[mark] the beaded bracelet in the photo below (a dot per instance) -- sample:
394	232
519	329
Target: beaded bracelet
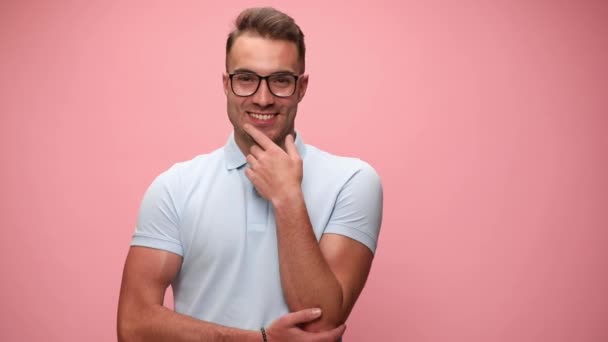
263	334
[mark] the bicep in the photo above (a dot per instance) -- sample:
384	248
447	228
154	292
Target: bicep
350	261
349	240
147	274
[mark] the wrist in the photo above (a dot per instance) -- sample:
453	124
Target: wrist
287	198
253	336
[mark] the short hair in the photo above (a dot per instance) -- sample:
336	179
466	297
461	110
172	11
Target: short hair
267	22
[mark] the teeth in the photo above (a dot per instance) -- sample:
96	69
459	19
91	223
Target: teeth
262	116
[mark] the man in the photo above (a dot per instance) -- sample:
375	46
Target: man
265	239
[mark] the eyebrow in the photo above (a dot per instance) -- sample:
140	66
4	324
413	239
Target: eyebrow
281	72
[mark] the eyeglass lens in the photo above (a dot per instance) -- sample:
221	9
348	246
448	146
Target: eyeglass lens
246	84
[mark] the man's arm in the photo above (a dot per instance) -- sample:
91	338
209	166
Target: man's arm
329	274
142	316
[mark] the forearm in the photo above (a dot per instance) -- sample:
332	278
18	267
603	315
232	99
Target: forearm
155	323
306	277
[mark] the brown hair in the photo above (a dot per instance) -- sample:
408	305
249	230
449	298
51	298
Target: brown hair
268	23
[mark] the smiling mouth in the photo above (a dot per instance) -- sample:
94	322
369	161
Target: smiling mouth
261	116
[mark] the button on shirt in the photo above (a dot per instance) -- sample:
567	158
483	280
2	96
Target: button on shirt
207	211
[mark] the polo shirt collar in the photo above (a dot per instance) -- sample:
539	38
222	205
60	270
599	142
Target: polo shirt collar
235	158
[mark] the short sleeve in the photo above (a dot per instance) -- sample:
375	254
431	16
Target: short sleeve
158	219
358	210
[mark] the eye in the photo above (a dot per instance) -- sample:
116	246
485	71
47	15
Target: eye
245	78
282	80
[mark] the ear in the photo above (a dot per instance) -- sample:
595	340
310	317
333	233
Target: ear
225	80
303	80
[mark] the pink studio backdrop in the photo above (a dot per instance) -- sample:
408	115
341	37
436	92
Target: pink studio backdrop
487	121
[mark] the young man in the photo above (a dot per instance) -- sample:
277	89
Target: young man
265	239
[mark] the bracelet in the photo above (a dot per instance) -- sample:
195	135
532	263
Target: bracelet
263	334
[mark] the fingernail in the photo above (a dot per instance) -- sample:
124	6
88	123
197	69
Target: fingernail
316	312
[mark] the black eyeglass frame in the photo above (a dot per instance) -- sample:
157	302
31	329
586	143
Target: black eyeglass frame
262	78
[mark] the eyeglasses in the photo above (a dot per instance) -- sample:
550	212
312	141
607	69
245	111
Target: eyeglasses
247	83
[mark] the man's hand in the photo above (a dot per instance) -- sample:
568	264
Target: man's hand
286	328
275	173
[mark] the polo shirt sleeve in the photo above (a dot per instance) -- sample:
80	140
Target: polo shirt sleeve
158	219
357	213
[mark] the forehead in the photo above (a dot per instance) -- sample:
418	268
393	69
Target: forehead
263	55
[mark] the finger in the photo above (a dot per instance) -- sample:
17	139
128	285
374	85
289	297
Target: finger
332	335
290	146
250	174
256	151
258	136
301	316
252	161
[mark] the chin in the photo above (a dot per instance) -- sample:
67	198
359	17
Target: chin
276	137
271	133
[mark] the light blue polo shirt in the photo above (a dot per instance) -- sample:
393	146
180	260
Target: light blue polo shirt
207	211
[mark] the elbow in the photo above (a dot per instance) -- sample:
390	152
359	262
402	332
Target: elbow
128	326
136	323
319	326
124	334
130	331
333	315
328	321
126	331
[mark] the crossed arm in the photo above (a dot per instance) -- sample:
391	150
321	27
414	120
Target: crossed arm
329	274
141	314
148	272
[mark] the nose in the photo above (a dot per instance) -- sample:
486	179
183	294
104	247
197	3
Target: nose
263	97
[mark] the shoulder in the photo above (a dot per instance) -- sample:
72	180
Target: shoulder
322	164
197	167
354	191
176	183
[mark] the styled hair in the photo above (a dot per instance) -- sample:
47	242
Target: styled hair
267	22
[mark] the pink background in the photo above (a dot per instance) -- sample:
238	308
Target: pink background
487	121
